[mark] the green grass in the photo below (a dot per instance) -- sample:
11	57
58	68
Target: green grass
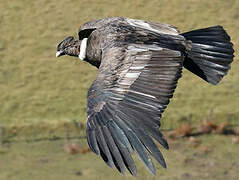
213	158
37	90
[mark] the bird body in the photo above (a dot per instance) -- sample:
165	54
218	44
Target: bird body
139	65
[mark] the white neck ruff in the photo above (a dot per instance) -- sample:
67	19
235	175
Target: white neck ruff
83	46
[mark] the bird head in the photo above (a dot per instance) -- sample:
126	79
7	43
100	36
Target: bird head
69	46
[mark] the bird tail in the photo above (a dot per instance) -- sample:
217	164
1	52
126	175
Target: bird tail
210	53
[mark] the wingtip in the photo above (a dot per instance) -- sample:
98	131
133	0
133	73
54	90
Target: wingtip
163	164
133	173
153	171
164	143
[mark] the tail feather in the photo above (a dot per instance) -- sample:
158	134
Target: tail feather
211	53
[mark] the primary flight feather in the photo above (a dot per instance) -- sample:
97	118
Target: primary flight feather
139	64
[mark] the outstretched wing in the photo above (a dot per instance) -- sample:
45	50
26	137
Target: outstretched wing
125	103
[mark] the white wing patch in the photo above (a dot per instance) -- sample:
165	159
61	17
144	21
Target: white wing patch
143	94
132	74
137	67
138	48
145	25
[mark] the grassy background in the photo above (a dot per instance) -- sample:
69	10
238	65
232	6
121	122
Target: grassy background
39	93
42	99
215	158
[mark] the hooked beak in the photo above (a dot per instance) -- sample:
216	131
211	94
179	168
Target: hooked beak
59	53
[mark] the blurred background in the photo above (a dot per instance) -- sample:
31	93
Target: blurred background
43	99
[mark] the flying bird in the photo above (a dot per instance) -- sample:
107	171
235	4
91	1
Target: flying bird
139	65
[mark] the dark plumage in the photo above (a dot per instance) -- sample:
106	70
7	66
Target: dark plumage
139	65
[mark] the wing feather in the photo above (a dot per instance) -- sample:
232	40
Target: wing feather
104	149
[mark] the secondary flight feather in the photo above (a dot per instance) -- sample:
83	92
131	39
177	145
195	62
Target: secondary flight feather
139	65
